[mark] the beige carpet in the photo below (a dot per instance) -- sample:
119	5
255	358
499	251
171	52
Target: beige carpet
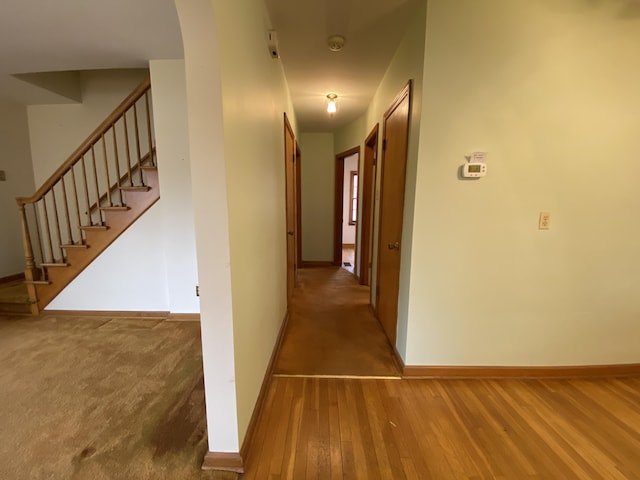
101	398
331	329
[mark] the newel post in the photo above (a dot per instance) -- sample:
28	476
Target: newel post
31	273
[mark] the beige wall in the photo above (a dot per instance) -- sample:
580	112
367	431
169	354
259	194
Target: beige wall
15	160
318	179
209	190
55	131
549	89
254	97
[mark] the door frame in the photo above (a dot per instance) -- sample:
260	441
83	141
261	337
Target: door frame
368	204
338	207
298	167
405	93
290	203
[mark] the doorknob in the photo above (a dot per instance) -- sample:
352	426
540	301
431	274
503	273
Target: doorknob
290	233
394	246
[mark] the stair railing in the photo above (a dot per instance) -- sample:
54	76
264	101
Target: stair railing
93	179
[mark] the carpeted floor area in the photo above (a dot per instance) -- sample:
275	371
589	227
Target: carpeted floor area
101	398
332	330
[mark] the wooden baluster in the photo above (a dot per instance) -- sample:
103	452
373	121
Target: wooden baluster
77	202
126	148
86	193
66	208
106	170
117	160
149	131
95	178
49	258
137	133
26	243
57	219
38	235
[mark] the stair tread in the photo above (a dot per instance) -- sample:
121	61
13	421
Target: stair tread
115	208
55	264
136	188
75	245
149	167
94	227
37	282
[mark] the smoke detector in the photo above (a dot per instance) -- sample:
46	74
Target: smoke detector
336	43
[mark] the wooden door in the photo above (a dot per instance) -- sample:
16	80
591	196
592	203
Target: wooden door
290	180
394	162
368	185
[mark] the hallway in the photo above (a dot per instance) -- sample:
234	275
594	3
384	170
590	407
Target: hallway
332	330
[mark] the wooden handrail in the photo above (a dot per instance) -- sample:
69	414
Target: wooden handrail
86	145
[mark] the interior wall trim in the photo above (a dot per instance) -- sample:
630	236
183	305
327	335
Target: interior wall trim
223	461
12	278
561	371
264	389
184	317
107	313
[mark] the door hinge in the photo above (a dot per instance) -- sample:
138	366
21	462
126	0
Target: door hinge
293	158
384	144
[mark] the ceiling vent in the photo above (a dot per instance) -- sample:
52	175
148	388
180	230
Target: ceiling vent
336	43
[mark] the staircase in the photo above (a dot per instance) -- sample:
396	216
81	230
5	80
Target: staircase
92	198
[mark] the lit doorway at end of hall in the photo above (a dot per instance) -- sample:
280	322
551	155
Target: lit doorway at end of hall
349	211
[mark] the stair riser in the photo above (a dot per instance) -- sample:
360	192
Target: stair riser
15	308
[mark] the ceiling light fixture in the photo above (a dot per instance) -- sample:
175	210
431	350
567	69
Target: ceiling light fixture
331	106
336	43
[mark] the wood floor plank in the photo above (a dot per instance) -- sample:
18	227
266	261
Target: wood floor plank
335	443
364	455
305	434
279	437
384	443
417	405
561	422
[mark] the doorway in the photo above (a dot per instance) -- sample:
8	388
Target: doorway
350	211
346	209
368	205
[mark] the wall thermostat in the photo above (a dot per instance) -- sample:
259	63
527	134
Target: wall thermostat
474	170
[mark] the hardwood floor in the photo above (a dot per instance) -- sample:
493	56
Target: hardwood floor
319	428
332	330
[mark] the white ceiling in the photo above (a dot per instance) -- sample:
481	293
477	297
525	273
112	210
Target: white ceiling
50	36
46	35
373	30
